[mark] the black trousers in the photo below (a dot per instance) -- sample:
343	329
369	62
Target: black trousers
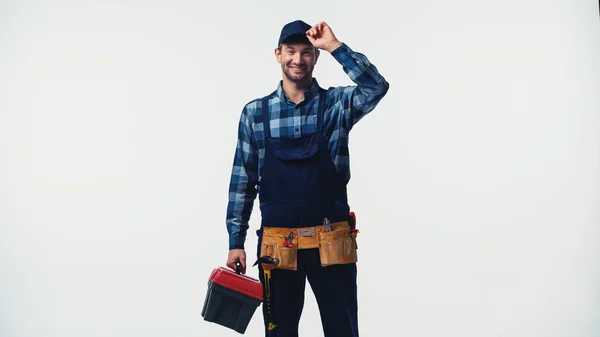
334	288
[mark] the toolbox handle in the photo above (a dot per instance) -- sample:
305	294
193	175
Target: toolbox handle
238	268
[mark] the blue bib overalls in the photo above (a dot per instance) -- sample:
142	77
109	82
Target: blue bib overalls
300	188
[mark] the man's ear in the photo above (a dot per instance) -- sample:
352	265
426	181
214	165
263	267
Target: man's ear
277	53
317	53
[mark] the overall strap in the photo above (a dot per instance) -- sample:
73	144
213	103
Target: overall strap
322	107
266	115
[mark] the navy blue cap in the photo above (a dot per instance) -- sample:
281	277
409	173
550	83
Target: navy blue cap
294	28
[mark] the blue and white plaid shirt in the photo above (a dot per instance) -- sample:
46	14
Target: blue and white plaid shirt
345	107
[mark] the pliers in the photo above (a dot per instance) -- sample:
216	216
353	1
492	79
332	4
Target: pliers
289	240
327	225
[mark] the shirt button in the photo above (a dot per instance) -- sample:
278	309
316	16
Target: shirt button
297	130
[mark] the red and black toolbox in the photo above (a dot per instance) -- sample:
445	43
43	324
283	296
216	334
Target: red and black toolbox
231	299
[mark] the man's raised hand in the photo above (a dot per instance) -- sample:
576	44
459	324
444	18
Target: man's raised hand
322	37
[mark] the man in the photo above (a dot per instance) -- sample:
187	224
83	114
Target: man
292	151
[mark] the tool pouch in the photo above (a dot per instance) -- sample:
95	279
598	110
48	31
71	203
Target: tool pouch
338	246
272	246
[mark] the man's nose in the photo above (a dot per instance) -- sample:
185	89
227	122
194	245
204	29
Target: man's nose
297	58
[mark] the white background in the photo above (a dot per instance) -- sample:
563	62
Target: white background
475	181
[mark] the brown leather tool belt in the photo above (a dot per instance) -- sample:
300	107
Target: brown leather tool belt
336	246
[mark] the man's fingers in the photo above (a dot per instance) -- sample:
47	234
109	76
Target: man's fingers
233	266
242	260
318	28
231	262
236	256
315	30
322	26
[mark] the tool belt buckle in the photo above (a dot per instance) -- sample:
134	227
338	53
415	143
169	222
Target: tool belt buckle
307	233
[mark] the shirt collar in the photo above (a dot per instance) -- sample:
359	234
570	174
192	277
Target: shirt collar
309	93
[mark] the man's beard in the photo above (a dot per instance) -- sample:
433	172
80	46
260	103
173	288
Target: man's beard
296	78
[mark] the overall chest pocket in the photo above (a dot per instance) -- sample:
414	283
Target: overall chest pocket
291	149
